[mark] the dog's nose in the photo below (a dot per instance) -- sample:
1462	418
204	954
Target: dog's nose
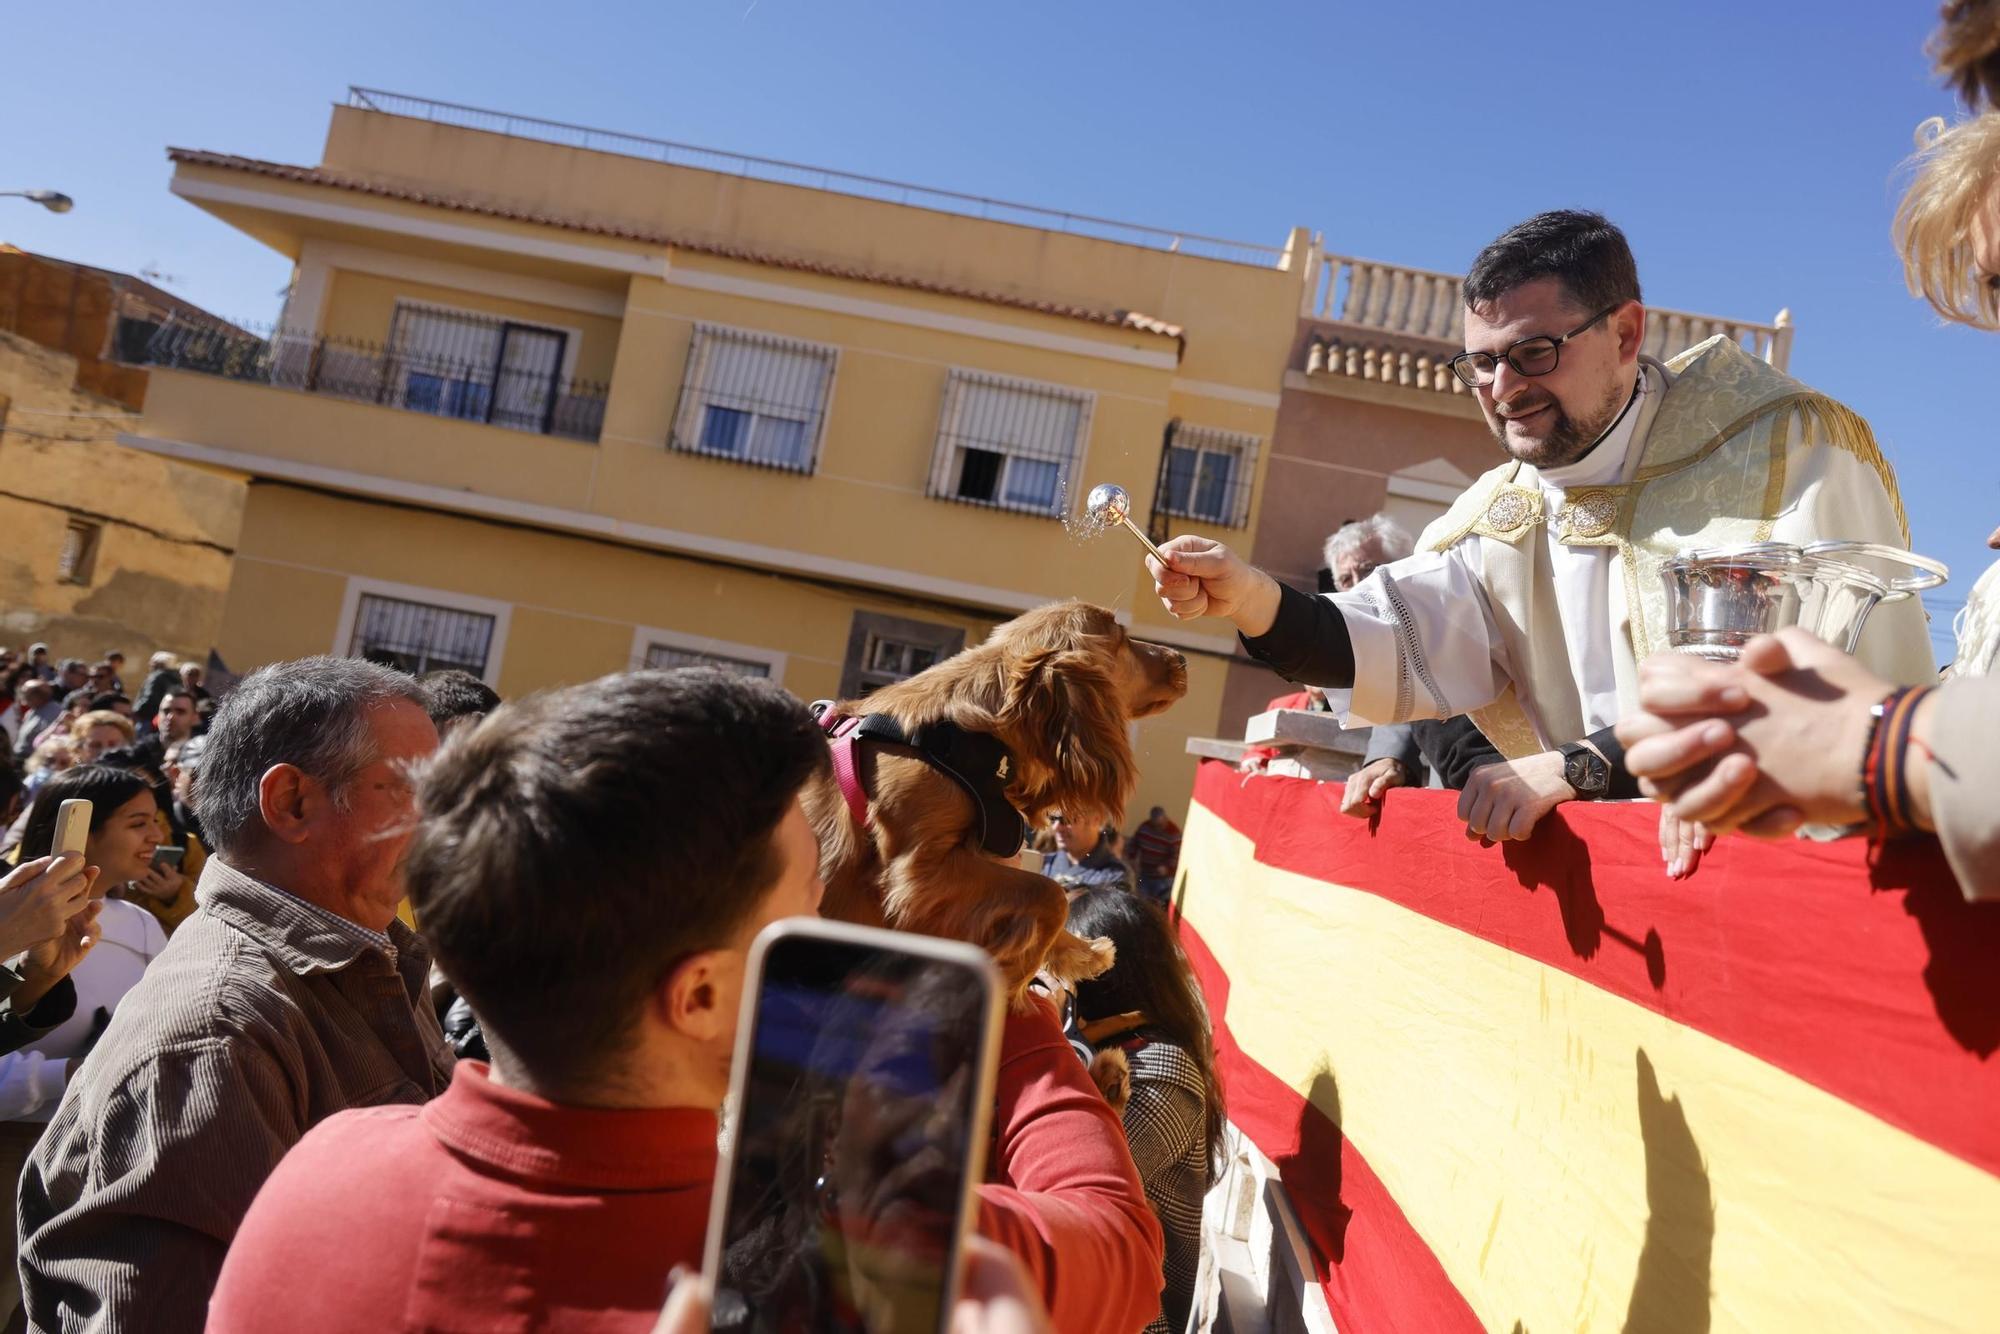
1178	658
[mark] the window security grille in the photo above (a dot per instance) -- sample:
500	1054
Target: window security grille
667	657
78	559
453	364
1209	474
1010	444
754	397
416	637
882	650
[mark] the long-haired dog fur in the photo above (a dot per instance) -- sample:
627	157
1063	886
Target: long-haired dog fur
1058	687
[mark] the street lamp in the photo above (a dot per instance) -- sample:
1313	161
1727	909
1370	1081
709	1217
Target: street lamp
55	201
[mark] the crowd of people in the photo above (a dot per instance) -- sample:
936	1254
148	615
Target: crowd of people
589	867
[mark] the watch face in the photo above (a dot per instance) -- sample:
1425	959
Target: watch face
1581	774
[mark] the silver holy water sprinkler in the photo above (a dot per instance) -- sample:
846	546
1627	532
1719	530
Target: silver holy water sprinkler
1108	504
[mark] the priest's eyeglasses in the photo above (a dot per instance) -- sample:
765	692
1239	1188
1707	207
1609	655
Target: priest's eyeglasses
1531	356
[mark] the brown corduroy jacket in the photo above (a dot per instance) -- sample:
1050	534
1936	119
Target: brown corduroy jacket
263	1017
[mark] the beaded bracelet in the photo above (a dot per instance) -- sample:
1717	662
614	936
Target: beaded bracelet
1885	769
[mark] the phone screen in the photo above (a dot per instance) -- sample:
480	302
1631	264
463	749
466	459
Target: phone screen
852	1141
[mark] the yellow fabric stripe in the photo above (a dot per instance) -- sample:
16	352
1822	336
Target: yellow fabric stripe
1576	1161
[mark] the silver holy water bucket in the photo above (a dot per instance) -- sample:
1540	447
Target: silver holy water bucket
1718	598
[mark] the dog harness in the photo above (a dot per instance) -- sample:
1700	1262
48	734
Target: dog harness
976	761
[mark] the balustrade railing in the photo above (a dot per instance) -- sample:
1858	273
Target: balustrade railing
1424	303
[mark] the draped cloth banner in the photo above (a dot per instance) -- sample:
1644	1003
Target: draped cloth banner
1540	1086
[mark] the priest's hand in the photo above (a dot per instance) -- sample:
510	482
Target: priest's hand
1508	798
1365	786
1206	578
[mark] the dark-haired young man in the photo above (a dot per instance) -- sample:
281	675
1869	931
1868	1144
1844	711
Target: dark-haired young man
458	698
590	866
1530	604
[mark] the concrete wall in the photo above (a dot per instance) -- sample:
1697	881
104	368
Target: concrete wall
161	571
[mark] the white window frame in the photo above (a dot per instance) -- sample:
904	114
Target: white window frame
1214	440
646	637
350	612
945	476
572	341
686	432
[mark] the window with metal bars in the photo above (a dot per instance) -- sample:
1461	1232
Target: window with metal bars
78	559
882	650
754	397
1209	473
667	657
417	637
453	363
1010	444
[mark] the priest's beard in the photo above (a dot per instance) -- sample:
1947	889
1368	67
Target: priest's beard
1565	439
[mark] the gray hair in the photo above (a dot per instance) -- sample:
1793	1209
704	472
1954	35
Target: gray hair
1381	536
311	714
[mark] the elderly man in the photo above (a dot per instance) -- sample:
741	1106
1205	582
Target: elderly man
1530	604
293	993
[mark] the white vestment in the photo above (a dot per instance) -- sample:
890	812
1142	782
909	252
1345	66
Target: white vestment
1432	640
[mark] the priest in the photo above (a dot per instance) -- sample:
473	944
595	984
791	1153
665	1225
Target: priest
1529	605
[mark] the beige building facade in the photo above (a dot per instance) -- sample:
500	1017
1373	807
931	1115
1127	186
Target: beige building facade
105	549
546	411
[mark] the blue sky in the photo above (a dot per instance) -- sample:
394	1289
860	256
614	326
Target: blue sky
1748	149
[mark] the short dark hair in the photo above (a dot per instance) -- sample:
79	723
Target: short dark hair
177	692
105	788
311	713
79	699
456	693
110	699
1585	252
572	848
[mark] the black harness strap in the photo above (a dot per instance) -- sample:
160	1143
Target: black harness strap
977	762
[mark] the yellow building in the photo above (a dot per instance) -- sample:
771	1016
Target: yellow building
105	549
547	403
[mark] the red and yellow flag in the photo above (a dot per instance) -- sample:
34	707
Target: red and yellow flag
1542	1086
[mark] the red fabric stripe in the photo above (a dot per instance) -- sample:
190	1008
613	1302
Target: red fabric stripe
1878	983
1376	1271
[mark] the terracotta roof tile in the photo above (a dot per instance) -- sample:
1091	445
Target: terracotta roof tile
1122	319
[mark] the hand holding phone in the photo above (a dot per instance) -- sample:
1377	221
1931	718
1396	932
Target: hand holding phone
72	827
167	857
38	899
859	1107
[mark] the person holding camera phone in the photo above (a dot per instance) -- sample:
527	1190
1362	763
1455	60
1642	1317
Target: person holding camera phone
123	840
591	866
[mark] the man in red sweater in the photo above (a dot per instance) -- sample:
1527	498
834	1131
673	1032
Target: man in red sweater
590	867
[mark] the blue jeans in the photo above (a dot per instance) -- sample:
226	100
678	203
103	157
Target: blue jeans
1159	889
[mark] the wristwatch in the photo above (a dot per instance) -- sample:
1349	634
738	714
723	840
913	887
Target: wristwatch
1585	770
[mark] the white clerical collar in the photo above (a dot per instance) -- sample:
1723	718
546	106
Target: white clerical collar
1606	461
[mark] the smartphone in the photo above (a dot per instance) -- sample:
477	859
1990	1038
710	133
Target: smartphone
855	1131
169	856
72	826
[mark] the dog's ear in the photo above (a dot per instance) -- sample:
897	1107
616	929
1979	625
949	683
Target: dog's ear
1062	712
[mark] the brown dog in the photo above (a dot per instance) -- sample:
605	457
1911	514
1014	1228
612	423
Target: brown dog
1058	687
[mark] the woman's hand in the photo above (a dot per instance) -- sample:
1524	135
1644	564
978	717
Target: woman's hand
39	897
160	884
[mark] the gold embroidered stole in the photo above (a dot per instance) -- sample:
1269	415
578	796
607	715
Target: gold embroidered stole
1711	473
